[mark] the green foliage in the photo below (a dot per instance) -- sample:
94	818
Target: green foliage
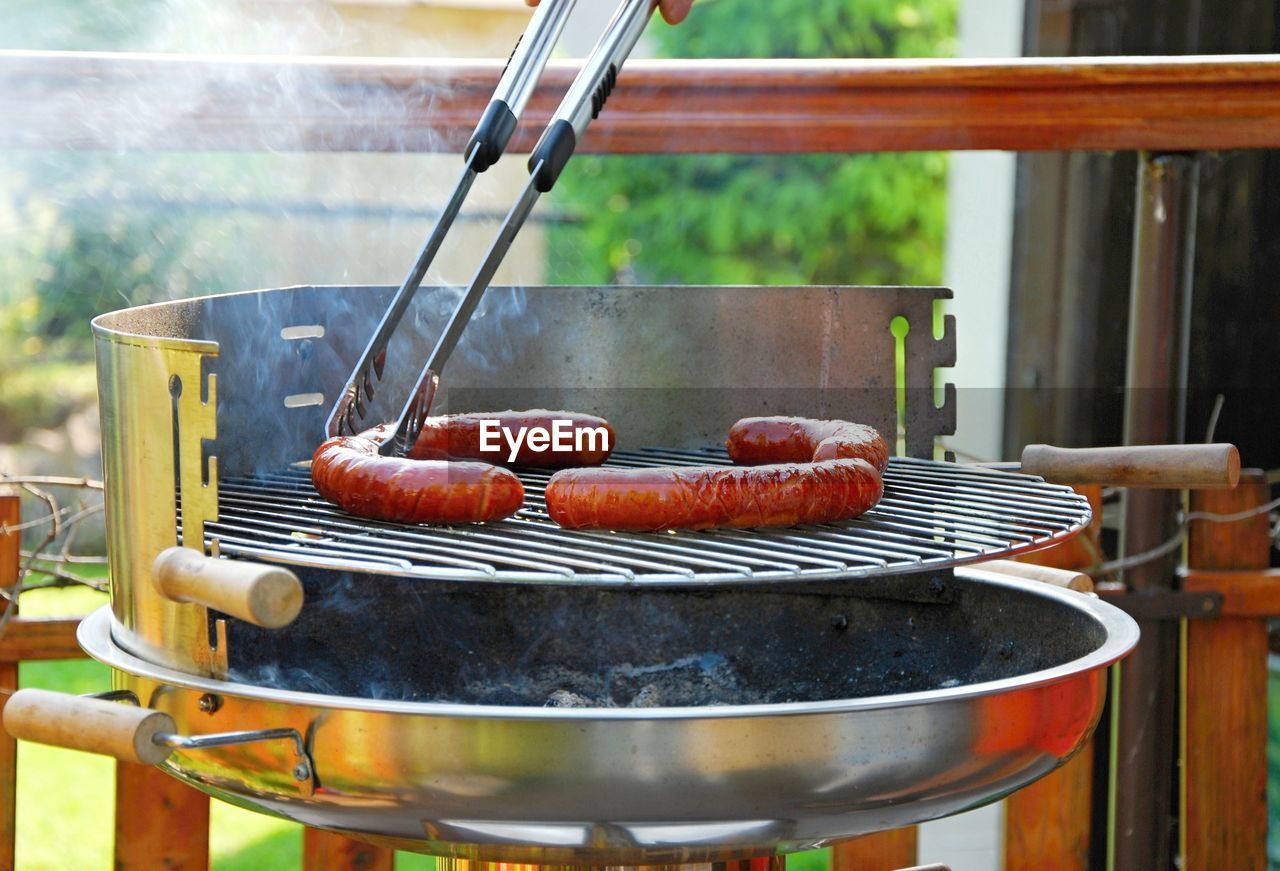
83	233
83	25
810	219
813	28
98	262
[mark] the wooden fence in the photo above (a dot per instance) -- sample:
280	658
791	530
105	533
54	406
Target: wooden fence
1047	825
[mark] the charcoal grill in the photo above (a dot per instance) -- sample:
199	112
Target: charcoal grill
836	679
653	785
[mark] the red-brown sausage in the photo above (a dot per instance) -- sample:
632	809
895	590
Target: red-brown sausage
349	472
457	436
646	500
756	440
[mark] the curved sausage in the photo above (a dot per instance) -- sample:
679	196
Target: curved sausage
457	436
349	471
755	440
699	497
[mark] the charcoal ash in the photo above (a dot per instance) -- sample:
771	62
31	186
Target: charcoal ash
704	679
566	699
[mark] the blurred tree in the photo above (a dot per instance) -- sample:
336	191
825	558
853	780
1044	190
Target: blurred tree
77	25
74	245
724	219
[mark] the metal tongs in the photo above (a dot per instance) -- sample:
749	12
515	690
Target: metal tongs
583	102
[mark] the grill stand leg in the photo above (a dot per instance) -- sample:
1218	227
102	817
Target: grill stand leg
1143	814
771	863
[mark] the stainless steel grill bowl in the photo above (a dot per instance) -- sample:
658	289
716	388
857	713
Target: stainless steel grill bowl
636	786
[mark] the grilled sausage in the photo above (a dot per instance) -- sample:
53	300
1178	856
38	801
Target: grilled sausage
756	440
457	436
699	497
349	472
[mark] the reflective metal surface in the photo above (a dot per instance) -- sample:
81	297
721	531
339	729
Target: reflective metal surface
637	785
933	515
257	372
151	397
586	96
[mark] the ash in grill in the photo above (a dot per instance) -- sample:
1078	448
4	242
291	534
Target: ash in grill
579	618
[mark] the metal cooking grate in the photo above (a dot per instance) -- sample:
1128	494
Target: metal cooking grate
933	515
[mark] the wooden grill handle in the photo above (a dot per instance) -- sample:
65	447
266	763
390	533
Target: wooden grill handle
92	725
1065	578
1169	467
266	596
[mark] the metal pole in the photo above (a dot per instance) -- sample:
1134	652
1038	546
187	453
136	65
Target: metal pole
1143	813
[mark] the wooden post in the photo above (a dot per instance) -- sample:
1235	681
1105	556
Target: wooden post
1225	733
883	851
329	851
766	863
160	821
10	515
1047	824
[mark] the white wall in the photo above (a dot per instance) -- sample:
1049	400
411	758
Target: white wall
979	244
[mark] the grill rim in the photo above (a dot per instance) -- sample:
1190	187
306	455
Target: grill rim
1070	504
97	636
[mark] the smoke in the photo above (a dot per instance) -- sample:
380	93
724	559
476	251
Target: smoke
242	106
237	155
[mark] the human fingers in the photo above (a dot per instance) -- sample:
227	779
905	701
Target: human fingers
674	11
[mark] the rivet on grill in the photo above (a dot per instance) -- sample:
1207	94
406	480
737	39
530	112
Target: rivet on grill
302	771
839	622
209	703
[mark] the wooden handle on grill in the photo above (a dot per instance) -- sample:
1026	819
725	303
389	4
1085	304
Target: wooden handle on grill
1065	578
267	596
1169	467
92	725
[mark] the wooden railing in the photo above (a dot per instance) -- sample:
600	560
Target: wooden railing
148	102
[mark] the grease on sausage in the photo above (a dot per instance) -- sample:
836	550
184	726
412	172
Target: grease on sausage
457	436
756	440
648	500
350	472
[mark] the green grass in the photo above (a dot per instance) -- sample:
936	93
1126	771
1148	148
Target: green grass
66	799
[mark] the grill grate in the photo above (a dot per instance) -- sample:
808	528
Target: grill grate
934	515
